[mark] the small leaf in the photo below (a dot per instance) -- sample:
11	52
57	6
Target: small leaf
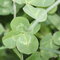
34	56
53	10
56	38
42	3
9	40
20	24
44	30
55	20
18	7
39	14
27	43
5	3
47	43
36	29
4	11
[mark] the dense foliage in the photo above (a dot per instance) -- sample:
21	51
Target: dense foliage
29	30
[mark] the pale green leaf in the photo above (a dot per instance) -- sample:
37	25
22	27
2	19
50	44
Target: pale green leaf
9	40
35	56
41	3
39	14
4	11
53	10
35	29
56	38
47	43
55	20
20	24
5	3
27	43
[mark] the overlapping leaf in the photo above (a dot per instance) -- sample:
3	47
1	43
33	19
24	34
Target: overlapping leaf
9	40
6	7
56	38
27	43
41	3
53	10
35	56
36	28
1	29
20	24
36	13
47	47
55	20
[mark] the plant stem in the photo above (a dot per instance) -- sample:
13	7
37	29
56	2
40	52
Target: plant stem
54	5
18	53
14	8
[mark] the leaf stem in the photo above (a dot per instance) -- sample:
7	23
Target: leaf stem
18	53
14	9
54	5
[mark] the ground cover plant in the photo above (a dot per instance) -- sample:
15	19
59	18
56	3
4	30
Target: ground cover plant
29	29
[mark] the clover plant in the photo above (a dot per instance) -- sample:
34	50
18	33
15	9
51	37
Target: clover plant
33	30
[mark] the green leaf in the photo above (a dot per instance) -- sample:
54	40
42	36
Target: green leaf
41	3
9	40
39	14
1	29
35	29
55	20
4	11
53	10
5	7
47	43
56	38
27	43
5	3
20	24
35	56
44	30
18	7
20	1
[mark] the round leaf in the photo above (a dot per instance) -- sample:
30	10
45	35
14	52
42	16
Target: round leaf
20	24
36	13
9	40
56	38
5	3
4	11
27	43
